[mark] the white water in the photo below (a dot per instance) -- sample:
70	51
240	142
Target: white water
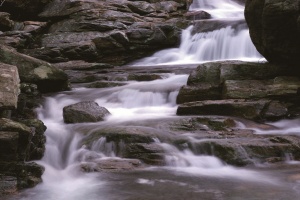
63	178
282	127
219	8
223	44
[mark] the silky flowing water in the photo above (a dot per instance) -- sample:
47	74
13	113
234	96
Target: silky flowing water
186	175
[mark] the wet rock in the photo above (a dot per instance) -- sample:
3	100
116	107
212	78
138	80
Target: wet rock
204	91
81	65
16	39
38	141
130	142
280	87
5	22
8	185
202	26
152	154
87	111
32	70
18	145
30	26
274	29
233	81
79	76
112	165
239	70
238	108
9	87
243	151
24	9
141	7
107	31
203	84
197	15
102	84
9	146
25	135
143	77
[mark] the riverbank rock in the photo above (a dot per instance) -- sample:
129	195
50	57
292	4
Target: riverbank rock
32	70
274	29
255	91
107	31
9	87
19	144
87	111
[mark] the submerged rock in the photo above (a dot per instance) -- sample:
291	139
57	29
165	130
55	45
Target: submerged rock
135	142
87	111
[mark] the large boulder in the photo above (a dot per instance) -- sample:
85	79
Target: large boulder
32	70
87	111
274	29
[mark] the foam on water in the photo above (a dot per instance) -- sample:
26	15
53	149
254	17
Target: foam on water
224	44
219	8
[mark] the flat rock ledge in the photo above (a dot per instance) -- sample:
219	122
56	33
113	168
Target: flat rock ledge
256	91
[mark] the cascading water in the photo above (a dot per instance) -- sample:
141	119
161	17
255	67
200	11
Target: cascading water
219	8
227	43
142	101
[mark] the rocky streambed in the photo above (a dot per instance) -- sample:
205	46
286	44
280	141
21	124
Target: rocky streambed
199	130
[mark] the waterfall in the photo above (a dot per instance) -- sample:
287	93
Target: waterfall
219	8
228	43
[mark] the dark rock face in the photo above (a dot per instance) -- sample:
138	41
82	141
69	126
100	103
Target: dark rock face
250	90
19	143
24	9
86	111
274	29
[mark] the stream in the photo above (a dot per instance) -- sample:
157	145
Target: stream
148	105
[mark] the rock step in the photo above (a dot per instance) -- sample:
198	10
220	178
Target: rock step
255	110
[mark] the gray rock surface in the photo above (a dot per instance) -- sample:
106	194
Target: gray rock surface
230	87
32	70
9	86
87	111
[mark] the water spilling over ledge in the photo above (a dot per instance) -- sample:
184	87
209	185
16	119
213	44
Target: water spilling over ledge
193	155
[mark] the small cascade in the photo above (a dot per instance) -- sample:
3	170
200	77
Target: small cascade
187	162
228	43
219	8
223	44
